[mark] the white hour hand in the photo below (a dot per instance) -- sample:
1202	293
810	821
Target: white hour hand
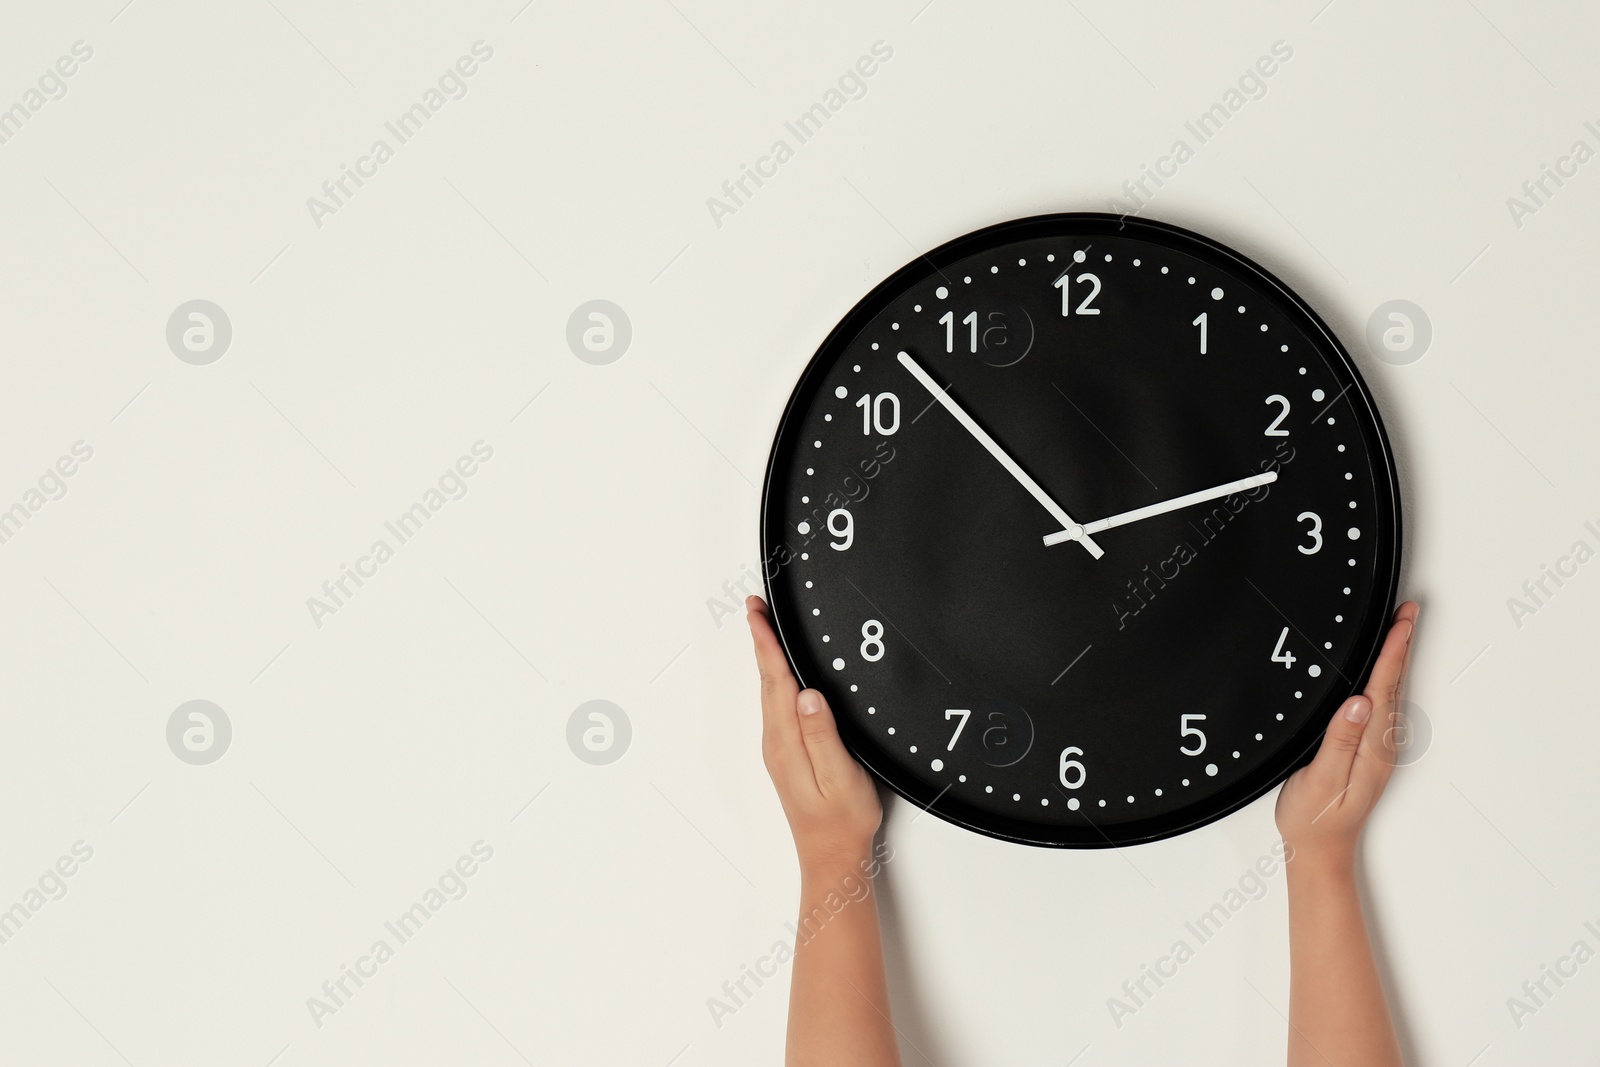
1073	532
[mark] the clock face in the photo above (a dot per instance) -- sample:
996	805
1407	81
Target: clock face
1084	526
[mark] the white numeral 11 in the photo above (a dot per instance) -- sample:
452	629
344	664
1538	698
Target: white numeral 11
949	323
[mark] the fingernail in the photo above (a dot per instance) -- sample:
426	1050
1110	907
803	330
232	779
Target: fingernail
1358	710
810	702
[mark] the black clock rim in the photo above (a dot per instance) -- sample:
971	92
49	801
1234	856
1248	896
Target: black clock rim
1302	745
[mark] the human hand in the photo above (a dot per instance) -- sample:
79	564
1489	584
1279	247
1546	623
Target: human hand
829	800
1324	805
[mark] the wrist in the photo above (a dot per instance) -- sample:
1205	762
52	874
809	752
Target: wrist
1323	863
825	868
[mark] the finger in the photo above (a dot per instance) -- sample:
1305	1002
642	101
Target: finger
1375	757
780	734
1383	686
1329	772
1409	611
832	763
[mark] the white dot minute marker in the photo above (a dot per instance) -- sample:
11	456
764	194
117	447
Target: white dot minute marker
1056	511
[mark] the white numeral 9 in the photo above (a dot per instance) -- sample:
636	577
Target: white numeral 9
845	530
1080	772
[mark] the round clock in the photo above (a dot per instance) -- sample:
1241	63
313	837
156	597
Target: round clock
1084	526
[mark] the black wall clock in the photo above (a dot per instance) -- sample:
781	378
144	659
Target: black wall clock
1084	526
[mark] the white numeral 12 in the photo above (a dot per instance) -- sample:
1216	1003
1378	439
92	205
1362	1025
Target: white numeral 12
1064	283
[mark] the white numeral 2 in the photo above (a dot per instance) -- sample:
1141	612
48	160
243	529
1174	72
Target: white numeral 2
1273	431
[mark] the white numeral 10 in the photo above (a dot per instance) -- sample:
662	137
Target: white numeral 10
1079	772
872	410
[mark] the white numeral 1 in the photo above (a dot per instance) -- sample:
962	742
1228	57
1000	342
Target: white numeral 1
1201	322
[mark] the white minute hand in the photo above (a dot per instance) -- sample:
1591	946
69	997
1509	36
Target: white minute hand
1073	532
943	397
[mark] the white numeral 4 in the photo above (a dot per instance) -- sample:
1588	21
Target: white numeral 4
1279	655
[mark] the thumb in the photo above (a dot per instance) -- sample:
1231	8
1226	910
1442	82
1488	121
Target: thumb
829	759
1331	767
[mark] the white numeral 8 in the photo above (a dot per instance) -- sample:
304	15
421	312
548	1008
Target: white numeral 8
872	634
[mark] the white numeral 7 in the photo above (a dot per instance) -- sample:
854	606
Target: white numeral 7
965	713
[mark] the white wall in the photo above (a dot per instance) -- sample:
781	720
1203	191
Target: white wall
372	350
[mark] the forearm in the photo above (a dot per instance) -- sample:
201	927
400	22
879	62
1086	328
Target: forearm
839	996
1337	1011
